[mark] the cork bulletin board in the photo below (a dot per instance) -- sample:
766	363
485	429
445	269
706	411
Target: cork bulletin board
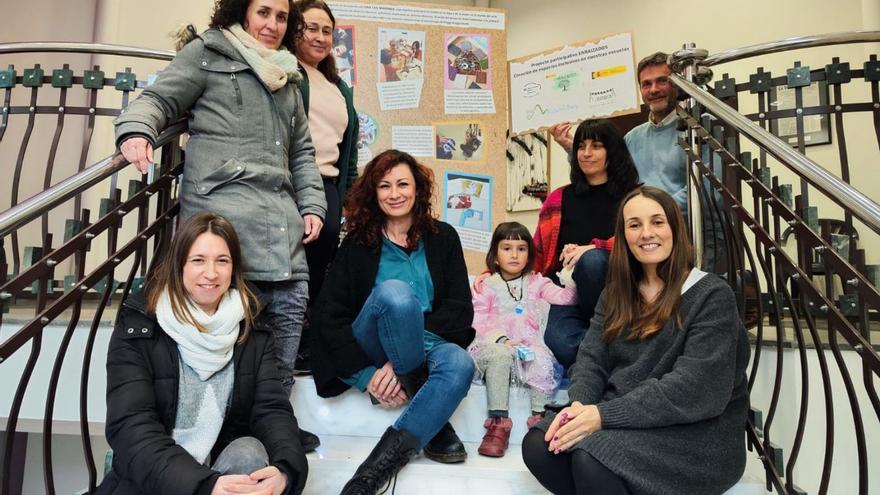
431	80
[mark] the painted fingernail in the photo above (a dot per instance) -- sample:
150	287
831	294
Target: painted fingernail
555	438
564	415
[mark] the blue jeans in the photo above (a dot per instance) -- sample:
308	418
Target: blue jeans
391	327
284	313
566	325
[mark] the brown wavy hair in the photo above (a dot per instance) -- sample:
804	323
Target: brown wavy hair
624	306
229	12
169	273
365	219
327	67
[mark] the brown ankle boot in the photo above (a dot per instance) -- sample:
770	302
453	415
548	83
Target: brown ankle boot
497	437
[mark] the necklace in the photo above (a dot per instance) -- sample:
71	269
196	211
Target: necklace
510	291
399	242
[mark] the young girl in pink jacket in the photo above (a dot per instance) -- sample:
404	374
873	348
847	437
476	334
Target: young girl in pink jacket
510	313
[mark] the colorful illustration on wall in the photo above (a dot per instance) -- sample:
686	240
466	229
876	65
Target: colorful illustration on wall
467	62
528	171
459	141
343	52
468	207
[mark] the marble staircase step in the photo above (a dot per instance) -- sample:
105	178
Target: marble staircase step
352	414
349	426
339	456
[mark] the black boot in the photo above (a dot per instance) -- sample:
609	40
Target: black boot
309	441
413	381
393	451
445	447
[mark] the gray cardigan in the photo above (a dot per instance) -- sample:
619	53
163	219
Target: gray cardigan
673	406
249	157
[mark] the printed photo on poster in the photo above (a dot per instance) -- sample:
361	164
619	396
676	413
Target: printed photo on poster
459	142
368	132
467	62
468	208
401	55
400	62
343	52
528	171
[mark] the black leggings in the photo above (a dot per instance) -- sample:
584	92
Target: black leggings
569	473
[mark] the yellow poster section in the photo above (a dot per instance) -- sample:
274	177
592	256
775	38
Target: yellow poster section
399	24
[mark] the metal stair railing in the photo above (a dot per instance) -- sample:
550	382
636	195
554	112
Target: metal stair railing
43	285
814	301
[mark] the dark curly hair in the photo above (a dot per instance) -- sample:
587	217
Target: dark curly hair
366	220
327	67
622	173
229	12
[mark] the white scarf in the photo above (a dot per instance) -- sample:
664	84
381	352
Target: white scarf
206	353
274	67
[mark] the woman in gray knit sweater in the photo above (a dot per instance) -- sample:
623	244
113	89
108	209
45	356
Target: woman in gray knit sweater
658	391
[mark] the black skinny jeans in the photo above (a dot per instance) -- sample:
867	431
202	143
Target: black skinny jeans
569	473
321	251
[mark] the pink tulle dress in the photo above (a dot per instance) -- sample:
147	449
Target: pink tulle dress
518	309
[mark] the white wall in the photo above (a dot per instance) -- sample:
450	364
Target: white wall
665	26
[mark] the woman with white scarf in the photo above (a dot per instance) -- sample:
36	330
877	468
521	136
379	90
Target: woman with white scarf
194	404
250	156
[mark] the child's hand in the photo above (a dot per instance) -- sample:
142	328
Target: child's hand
571	253
478	282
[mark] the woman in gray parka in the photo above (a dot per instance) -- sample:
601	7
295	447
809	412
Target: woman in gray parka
249	157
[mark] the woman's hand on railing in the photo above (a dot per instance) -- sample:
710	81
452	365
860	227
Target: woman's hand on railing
572	425
138	151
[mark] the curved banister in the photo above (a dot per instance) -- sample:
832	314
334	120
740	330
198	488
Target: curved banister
39	203
95	48
839	191
791	44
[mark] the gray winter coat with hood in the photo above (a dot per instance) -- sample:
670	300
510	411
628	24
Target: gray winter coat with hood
249	157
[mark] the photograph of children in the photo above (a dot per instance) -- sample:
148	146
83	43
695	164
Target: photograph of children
459	141
343	52
401	55
467	62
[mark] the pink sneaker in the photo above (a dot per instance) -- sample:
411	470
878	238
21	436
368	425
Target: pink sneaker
533	420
